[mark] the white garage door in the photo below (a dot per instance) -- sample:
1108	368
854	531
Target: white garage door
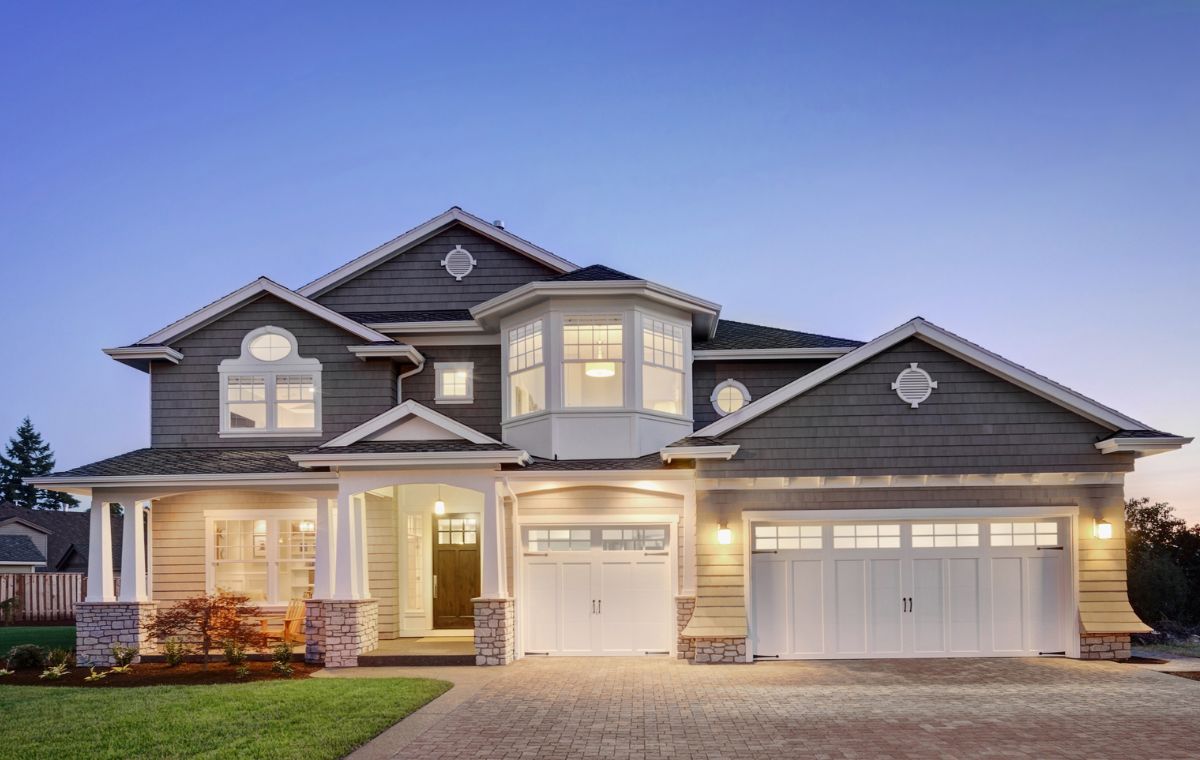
918	589
597	590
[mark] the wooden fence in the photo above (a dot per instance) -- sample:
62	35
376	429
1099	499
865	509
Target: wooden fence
44	597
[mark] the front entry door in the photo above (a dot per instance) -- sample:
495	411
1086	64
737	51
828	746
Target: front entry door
455	570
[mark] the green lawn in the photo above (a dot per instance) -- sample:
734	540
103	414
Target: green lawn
50	637
307	718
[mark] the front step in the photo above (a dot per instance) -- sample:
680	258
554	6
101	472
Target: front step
414	660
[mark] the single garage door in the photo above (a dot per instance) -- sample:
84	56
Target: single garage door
597	590
910	589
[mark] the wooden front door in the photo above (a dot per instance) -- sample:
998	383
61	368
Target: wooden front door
455	570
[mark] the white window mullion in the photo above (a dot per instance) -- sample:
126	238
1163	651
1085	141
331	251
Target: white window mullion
272	560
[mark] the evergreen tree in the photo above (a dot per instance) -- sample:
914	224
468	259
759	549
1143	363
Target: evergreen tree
26	456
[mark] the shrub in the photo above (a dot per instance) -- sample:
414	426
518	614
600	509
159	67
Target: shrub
60	657
26	657
123	656
242	671
235	653
8	609
282	656
208	619
174	651
54	672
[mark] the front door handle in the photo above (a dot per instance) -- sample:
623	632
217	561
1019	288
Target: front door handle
435	587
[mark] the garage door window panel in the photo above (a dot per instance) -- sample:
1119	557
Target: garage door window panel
944	535
867	536
785	537
1024	534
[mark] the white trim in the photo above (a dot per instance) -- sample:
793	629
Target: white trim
948	342
445	326
424	230
226	304
473	339
754	354
903	514
439	367
144	353
412	459
246	364
30	563
399	412
698	452
397	351
814	482
1143	446
84	484
729	383
271	516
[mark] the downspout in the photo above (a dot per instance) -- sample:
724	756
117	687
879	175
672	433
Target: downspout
400	380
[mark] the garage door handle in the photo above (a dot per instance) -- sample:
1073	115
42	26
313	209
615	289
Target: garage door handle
658	554
1049	548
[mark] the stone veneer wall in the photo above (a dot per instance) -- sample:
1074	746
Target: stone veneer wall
685	647
1108	646
720	650
495	639
337	631
100	625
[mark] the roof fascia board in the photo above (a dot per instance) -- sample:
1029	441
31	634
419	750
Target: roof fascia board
261	286
756	354
397	351
144	353
399	412
948	342
23	563
1143	446
672	453
83	484
26	523
446	326
423	231
410	459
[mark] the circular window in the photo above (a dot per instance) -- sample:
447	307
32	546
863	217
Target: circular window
270	347
729	396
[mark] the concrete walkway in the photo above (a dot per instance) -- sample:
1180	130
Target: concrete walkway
653	708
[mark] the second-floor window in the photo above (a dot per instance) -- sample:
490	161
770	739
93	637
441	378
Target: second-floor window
455	382
662	366
526	370
270	389
593	362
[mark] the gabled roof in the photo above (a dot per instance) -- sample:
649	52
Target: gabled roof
732	335
261	286
397	414
428	315
66	532
952	344
198	461
19	550
421	232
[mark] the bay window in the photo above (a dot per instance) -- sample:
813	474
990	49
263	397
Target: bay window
526	370
271	560
593	366
662	366
270	389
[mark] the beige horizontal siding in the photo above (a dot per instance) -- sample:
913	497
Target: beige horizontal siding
383	562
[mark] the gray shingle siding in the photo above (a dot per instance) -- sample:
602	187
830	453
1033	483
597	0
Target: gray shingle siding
185	398
417	280
760	378
975	422
484	413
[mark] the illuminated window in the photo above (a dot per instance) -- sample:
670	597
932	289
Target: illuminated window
1024	534
270	389
777	537
269	560
526	370
593	362
929	535
455	382
866	537
662	366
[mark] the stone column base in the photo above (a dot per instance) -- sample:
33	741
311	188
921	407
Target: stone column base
337	631
714	651
1105	646
685	648
101	625
495	634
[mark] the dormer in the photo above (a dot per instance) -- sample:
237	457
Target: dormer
596	363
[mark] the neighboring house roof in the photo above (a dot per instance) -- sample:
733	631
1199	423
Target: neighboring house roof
199	461
67	533
422	231
732	335
436	315
19	549
594	273
946	341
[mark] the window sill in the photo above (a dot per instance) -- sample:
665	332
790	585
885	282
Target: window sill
259	433
454	401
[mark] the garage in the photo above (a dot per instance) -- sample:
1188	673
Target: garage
944	588
597	590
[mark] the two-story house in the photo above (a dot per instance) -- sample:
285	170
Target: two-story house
461	432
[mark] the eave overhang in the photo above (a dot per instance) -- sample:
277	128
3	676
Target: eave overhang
721	453
412	459
1142	447
139	357
388	351
755	354
82	485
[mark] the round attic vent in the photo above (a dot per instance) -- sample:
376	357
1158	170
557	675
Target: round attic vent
459	262
913	385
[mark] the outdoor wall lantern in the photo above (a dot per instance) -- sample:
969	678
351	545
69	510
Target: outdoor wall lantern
724	534
1102	529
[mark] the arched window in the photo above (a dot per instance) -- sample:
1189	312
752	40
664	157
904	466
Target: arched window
729	396
270	390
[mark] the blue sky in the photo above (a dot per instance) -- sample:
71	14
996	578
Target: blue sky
1025	174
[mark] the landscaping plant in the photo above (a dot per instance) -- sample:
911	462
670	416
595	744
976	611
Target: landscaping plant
26	657
119	669
242	671
173	652
95	676
123	656
209	619
8	608
282	655
5	672
54	672
59	656
235	653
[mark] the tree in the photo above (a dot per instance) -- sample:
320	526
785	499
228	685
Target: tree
28	456
209	621
1164	563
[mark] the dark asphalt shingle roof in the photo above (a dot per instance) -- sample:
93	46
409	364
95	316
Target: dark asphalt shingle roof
66	532
410	447
1138	434
201	461
19	549
697	440
594	273
435	315
743	335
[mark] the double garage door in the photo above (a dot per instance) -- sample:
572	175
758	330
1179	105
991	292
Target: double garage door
910	589
597	590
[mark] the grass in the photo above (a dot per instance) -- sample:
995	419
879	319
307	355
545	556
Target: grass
50	637
307	718
1187	650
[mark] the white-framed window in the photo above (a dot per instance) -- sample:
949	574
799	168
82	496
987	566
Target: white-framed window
414	557
268	558
455	382
270	390
930	535
776	537
593	361
559	539
1024	533
526	370
866	536
633	539
662	366
729	396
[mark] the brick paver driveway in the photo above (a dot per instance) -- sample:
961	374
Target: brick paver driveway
660	708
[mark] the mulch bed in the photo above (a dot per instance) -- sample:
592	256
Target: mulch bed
1189	674
157	674
1138	660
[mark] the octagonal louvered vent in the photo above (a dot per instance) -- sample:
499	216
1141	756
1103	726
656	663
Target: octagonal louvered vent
459	262
914	385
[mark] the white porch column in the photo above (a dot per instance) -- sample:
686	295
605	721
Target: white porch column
689	542
100	572
360	542
346	575
323	570
493	584
133	553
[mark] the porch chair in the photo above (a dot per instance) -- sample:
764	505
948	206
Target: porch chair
292	629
